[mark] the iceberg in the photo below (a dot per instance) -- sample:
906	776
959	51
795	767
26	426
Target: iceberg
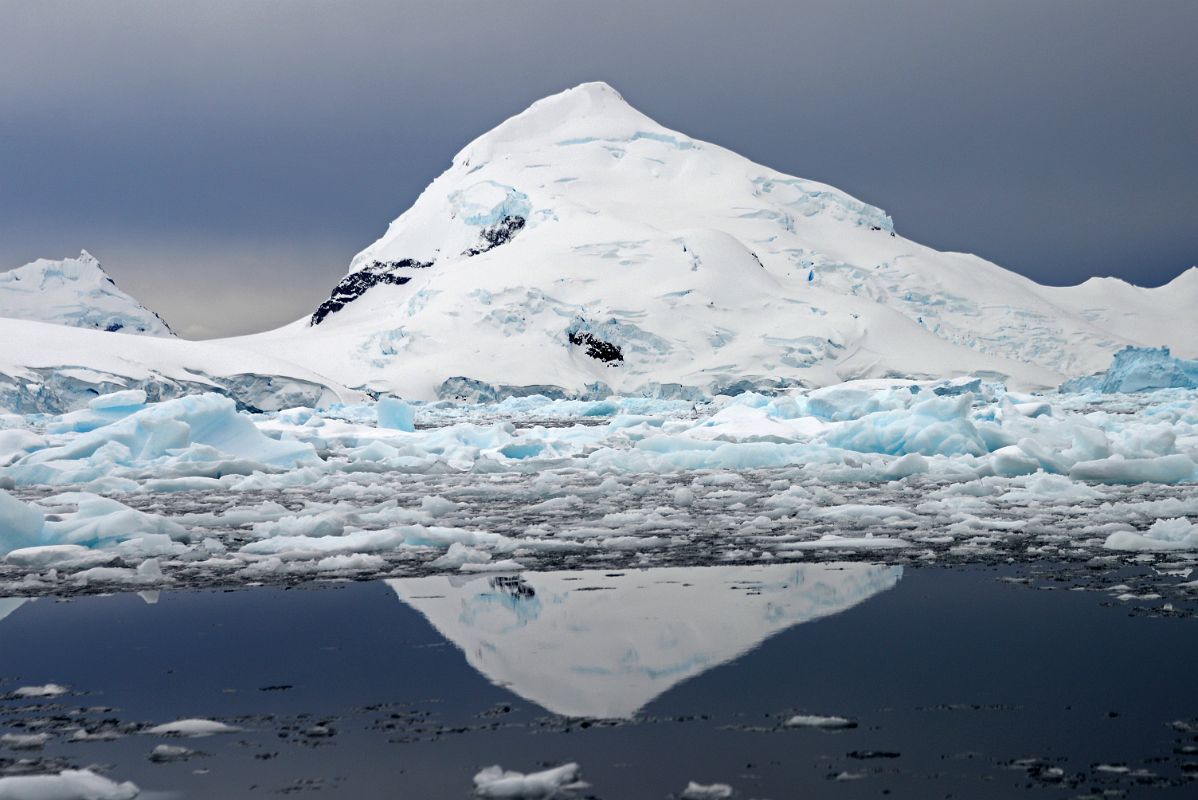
1140	369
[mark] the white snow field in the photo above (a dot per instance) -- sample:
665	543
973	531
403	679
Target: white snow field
191	491
56	368
76	292
583	248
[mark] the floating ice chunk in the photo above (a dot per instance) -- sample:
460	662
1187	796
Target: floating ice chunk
192	728
353	562
861	514
17	442
437	506
832	541
102	410
906	466
20	524
1165	534
935	426
71	784
1176	468
1010	461
1139	369
128	398
24	741
506	565
1043	488
165	753
817	721
459	555
395	413
48	690
208	425
495	782
97	520
699	791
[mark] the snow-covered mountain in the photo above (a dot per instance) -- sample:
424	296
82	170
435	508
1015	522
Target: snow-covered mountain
65	338
580	244
76	292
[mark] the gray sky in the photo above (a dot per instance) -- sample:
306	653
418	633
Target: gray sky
225	160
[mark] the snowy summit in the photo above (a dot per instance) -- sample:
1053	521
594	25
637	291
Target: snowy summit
582	247
76	292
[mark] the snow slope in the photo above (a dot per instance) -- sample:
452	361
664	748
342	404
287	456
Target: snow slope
76	292
580	244
55	368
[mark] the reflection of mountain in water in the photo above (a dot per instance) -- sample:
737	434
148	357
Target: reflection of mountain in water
10	604
596	644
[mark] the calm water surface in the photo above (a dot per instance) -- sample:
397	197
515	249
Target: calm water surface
962	685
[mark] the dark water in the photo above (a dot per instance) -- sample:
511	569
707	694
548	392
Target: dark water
963	685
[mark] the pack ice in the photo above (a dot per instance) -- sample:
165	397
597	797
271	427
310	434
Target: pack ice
192	490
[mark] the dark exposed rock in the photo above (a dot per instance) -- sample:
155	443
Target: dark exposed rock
596	348
500	233
354	285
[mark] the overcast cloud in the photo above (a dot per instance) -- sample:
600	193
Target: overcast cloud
225	160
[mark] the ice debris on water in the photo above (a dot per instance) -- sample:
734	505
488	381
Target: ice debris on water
45	691
192	728
699	791
131	492
166	753
817	721
495	782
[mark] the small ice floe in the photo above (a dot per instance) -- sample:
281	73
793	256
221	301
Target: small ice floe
494	781
166	753
192	728
48	690
847	776
24	741
817	721
71	784
712	791
1113	769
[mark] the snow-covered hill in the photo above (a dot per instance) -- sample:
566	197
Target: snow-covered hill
64	340
76	292
56	368
580	244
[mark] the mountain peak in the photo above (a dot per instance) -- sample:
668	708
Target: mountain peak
76	292
589	111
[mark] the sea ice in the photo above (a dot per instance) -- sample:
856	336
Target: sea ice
495	782
192	728
713	791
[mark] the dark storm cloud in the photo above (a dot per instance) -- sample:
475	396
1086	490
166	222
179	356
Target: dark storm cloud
226	159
